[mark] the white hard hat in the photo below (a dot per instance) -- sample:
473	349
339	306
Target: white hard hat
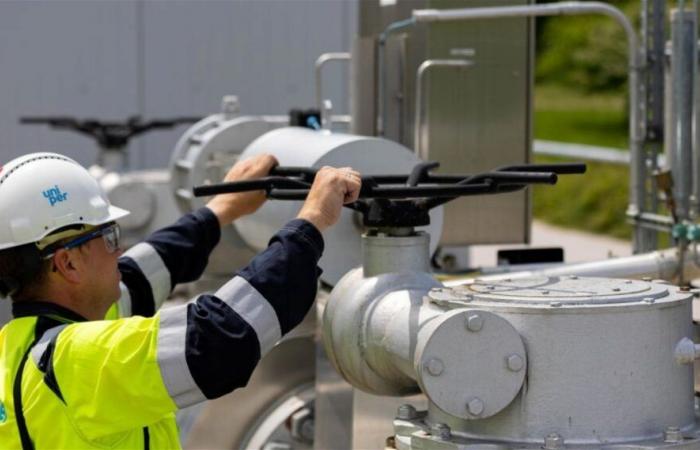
42	192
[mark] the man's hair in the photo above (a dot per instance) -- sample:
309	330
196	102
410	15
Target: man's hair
22	271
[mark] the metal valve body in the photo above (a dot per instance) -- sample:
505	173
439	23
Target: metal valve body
529	363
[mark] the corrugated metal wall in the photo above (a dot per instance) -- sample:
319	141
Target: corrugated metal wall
113	59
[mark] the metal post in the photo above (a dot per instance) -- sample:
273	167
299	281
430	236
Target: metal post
651	106
683	162
420	146
639	192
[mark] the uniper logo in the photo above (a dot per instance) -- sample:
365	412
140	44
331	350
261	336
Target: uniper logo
54	195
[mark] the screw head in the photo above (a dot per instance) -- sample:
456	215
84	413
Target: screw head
406	412
555	304
553	442
440	431
573	277
475	406
647	279
474	322
545	292
616	289
515	363
434	367
649	300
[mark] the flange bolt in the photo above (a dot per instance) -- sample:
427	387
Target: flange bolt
515	363
474	322
553	442
406	412
434	367
475	406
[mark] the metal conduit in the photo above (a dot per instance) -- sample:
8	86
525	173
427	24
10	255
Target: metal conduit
638	189
318	68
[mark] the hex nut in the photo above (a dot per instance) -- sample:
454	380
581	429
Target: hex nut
515	363
475	406
553	442
440	431
406	412
474	322
301	425
434	367
673	434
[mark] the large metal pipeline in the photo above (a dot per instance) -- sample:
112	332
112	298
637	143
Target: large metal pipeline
391	329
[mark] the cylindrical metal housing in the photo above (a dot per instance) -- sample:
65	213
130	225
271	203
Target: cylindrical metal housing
385	254
601	365
203	154
511	362
294	146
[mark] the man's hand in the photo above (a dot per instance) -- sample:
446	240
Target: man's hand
229	207
332	188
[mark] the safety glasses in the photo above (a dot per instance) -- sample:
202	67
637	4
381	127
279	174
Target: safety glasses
111	235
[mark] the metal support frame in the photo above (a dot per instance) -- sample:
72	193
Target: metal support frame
639	190
381	95
419	147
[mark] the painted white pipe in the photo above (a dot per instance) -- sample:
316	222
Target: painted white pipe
661	264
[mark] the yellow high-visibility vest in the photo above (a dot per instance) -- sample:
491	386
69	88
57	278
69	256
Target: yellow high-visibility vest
111	394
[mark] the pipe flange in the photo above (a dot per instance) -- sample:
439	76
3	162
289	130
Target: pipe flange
471	363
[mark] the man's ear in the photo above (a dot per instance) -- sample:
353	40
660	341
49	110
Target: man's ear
68	264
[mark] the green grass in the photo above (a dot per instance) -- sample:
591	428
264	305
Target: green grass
596	201
567	116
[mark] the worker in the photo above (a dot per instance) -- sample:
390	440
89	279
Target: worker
71	380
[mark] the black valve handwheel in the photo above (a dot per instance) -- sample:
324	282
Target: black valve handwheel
402	200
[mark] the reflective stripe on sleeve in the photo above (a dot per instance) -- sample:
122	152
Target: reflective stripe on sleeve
40	347
171	357
153	268
248	303
124	302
